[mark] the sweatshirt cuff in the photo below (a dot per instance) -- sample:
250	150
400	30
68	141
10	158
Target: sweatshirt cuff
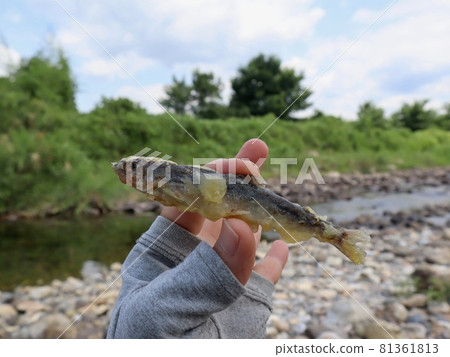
169	239
219	272
260	289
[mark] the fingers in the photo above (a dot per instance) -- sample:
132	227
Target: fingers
255	150
271	266
234	166
210	231
236	246
190	221
257	235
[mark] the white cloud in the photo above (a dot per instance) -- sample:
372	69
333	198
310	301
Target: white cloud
144	97
176	31
364	16
399	60
241	21
9	59
107	67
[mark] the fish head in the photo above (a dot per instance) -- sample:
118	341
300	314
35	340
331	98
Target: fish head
141	171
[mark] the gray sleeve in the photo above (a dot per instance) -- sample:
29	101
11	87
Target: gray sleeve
176	286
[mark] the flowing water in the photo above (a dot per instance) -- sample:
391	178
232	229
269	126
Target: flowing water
375	204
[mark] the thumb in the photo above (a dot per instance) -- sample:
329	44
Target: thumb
236	246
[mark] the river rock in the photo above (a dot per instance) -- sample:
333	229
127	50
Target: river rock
93	271
110	296
344	312
100	309
279	324
398	311
327	294
30	306
417	316
89	331
372	329
416	300
414	330
316	329
8	313
52	326
6	297
438	256
27	319
3	332
329	335
71	285
271	332
438	307
40	292
334	261
116	267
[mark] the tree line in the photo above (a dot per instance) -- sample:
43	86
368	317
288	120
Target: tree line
260	88
264	87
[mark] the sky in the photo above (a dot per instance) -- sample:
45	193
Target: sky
133	48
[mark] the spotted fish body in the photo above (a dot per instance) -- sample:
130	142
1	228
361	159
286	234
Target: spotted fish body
215	195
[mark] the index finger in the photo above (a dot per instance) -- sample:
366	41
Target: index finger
255	150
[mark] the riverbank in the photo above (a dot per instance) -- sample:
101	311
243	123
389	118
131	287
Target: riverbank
403	287
337	187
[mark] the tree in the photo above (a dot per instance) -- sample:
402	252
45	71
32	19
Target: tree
117	106
414	116
201	98
47	78
370	116
262	87
444	119
178	96
205	93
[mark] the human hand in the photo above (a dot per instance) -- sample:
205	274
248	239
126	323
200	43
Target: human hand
232	238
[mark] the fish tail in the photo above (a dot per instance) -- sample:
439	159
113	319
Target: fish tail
346	243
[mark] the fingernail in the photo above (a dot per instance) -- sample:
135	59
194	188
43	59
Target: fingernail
228	239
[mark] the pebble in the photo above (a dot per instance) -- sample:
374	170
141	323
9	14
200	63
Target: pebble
417	318
379	329
328	335
327	294
438	307
8	313
93	271
416	300
30	306
40	292
414	330
116	267
52	326
6	297
398	311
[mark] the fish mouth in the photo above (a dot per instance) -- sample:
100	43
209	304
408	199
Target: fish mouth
128	176
120	170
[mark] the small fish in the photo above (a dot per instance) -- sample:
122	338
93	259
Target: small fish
215	195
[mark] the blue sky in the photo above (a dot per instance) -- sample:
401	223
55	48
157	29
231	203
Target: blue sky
403	57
